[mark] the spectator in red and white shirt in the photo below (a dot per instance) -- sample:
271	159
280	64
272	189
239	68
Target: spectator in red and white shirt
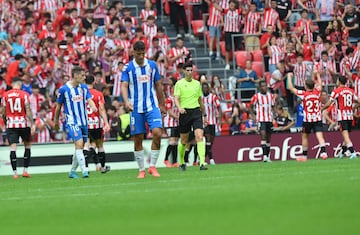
326	69
301	70
232	25
312	114
89	41
35	100
127	14
214	22
43	124
111	14
48	32
271	16
252	25
213	115
164	41
150	29
116	73
139	35
179	53
305	26
319	47
147	11
275	53
155	48
264	103
345	63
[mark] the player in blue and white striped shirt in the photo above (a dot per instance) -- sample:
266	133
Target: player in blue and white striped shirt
75	95
141	88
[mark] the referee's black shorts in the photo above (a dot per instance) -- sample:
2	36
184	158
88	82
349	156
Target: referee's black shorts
13	135
192	118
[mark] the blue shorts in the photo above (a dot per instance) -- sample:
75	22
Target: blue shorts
76	132
137	121
214	31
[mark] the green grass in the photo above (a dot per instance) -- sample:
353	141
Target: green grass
316	197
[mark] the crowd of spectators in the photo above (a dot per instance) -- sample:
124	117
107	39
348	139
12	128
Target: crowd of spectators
41	40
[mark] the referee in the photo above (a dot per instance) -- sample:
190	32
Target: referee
188	100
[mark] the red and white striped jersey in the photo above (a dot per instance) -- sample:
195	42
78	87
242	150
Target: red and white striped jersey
4	58
344	97
35	103
43	136
15	102
214	16
134	21
282	43
323	68
252	23
271	17
94	118
224	4
232	20
100	11
211	105
92	42
169	121
332	114
178	51
164	42
306	23
311	103
149	32
277	54
145	13
300	71
264	104
355	60
116	76
318	49
162	69
345	64
356	80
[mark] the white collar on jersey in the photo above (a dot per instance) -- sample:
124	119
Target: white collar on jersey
136	64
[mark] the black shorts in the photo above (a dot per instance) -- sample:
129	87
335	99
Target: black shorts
13	135
309	126
228	42
266	126
210	130
345	125
173	131
95	134
192	118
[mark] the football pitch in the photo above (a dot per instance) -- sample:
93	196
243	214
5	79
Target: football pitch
316	197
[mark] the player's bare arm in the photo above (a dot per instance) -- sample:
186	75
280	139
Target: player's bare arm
57	114
92	105
30	117
125	94
104	117
160	95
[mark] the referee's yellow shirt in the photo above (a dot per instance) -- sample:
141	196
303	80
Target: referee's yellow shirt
188	92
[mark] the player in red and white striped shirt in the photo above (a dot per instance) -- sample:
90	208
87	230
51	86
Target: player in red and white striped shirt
171	124
18	116
344	98
264	102
252	25
213	114
97	125
312	114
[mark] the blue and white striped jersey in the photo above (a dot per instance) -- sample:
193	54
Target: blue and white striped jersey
142	92
74	100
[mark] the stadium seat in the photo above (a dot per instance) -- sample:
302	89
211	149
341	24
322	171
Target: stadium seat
258	67
257	55
241	57
196	26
